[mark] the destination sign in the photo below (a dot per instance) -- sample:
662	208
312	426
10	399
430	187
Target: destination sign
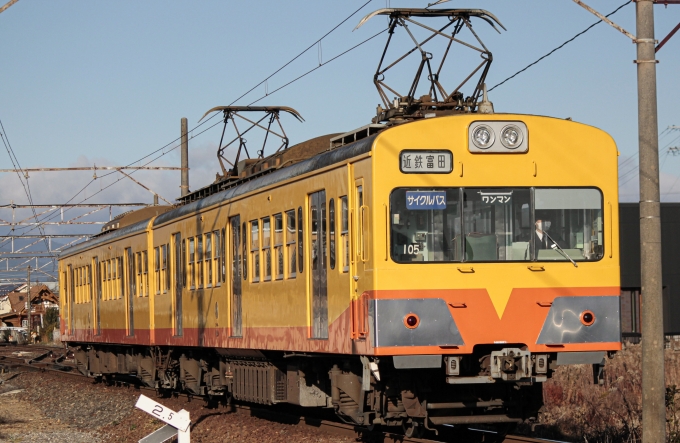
426	162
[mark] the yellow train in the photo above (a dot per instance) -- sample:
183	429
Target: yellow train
433	272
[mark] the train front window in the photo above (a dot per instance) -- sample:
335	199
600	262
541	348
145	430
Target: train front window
497	225
425	225
570	218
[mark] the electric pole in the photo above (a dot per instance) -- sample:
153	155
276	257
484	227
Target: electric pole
28	302
184	157
653	383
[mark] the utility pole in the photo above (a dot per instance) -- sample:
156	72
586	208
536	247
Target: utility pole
653	383
28	302
184	186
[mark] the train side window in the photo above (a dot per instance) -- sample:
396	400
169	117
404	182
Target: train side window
331	232
192	256
208	260
145	261
157	268
108	280
88	274
278	245
244	242
255	249
222	260
290	243
301	248
217	259
102	278
266	248
138	275
121	277
165	268
183	262
344	233
199	260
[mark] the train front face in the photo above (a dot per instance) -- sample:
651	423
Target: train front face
501	251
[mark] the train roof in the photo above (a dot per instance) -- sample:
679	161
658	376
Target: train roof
314	163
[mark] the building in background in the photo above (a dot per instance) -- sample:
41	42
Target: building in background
13	306
632	299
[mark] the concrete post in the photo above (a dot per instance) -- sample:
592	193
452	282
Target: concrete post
185	158
653	384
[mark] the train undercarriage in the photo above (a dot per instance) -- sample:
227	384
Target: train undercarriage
361	390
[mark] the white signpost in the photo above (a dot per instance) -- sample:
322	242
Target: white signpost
178	422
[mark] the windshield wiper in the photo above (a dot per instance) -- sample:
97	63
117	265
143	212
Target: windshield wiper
557	247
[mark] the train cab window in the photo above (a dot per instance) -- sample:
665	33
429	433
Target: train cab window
278	245
344	233
291	251
255	249
495	225
301	248
208	260
192	257
199	260
331	233
425	225
571	218
157	268
266	248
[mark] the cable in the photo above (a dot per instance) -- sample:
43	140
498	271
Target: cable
300	54
561	46
317	67
27	188
47	218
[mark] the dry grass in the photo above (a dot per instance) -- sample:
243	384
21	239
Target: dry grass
578	410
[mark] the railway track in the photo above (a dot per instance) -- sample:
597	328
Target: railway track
54	360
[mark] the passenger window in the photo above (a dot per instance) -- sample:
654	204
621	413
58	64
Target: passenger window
331	231
290	243
165	268
266	248
244	242
183	262
208	260
145	262
192	256
278	245
300	241
255	249
344	233
157	269
199	260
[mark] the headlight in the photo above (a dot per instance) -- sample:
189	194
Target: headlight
483	136
511	136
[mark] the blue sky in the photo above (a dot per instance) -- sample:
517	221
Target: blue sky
107	82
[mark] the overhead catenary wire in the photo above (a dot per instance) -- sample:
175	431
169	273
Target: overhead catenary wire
47	218
15	162
560	46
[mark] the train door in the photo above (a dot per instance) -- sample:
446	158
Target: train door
130	292
71	298
178	254
318	274
97	296
358	255
236	239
